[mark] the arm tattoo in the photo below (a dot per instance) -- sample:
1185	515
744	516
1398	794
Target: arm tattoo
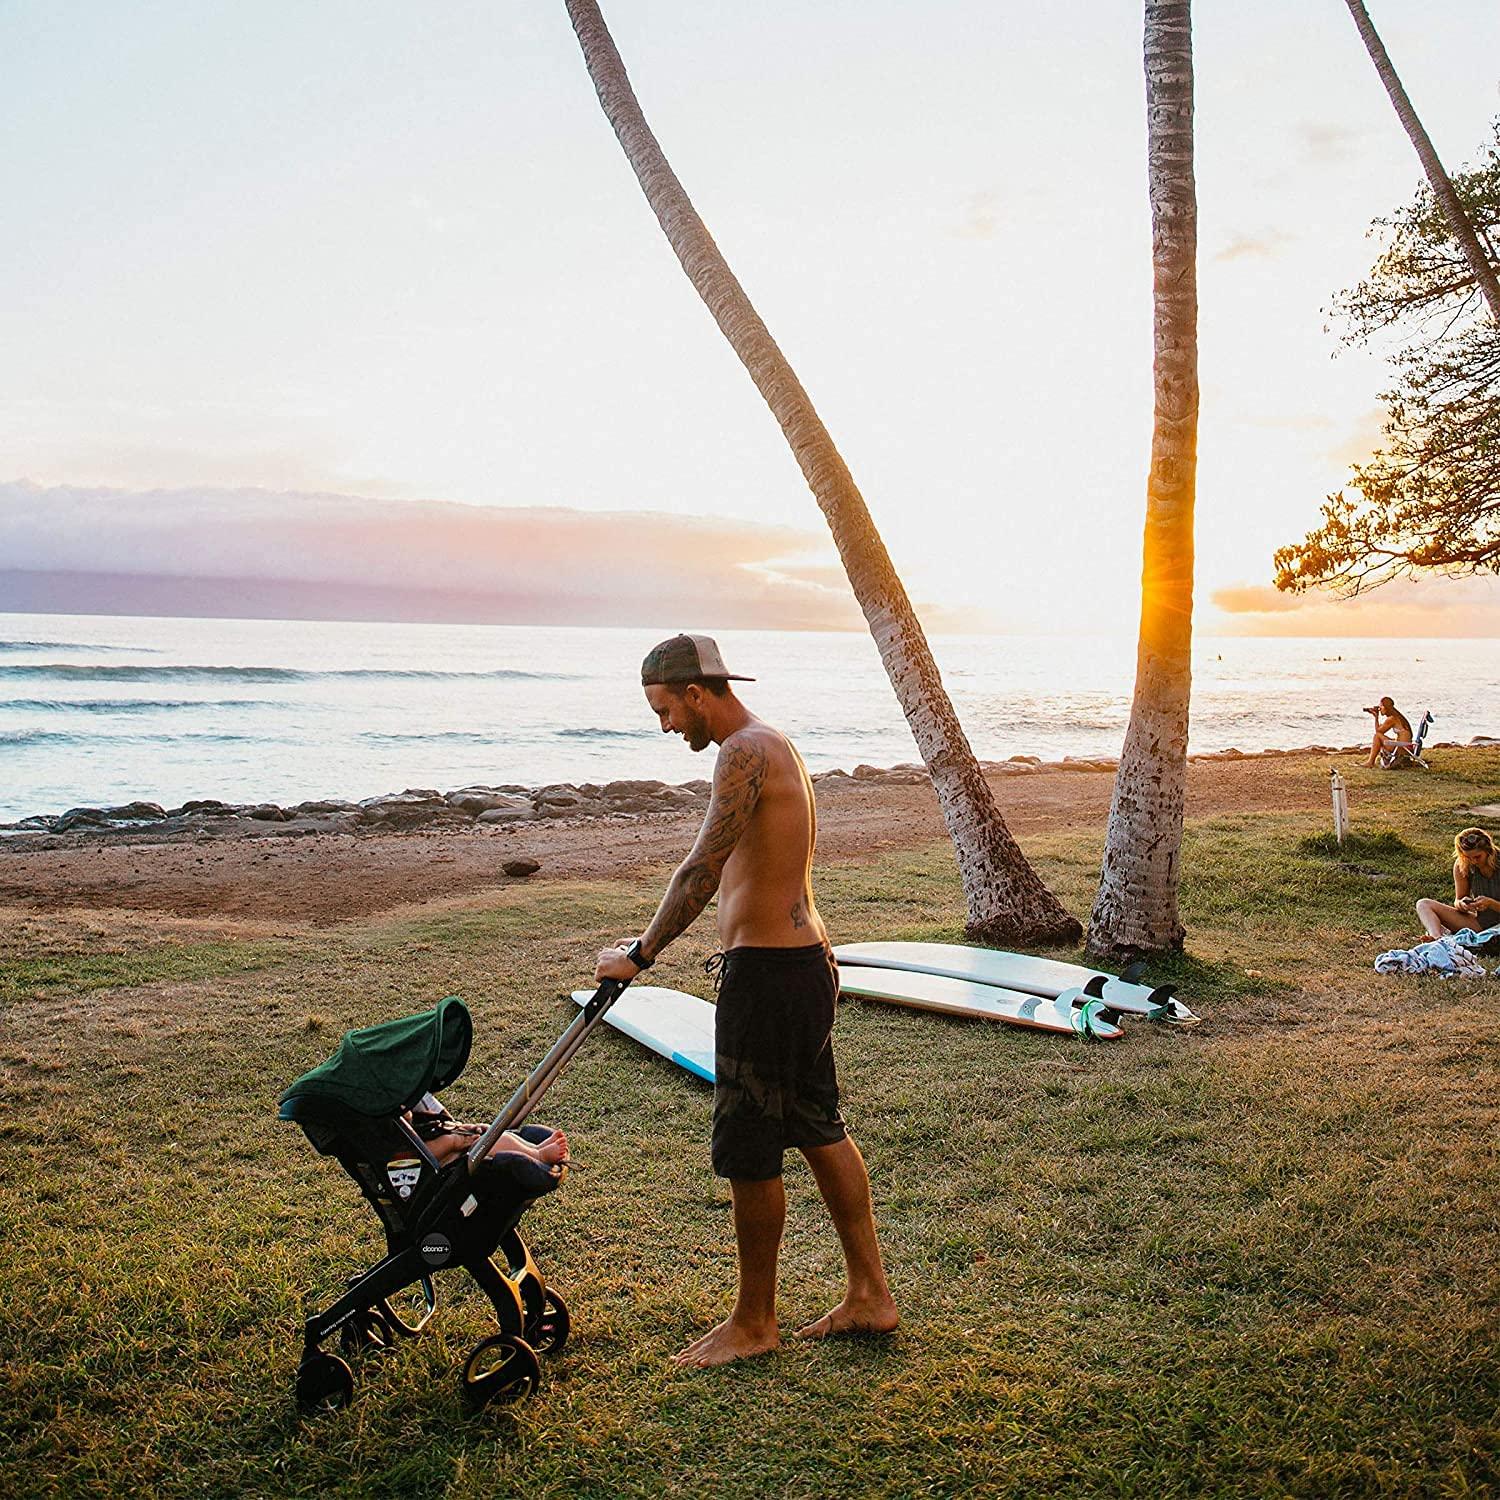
738	779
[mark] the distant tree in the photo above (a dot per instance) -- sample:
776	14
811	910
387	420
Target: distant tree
1135	912
1437	179
1007	901
1429	500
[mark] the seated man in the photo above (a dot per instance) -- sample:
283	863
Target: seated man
1391	728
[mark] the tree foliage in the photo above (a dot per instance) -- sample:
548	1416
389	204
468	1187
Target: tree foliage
1428	501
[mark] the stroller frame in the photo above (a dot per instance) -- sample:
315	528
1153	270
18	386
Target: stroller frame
435	1217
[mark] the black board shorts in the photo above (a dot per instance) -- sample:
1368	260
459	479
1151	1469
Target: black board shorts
775	1084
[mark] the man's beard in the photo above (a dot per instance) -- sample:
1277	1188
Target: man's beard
699	738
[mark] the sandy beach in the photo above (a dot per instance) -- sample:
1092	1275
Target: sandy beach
301	872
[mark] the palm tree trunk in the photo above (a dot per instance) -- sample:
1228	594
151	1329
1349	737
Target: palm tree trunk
1007	902
1135	911
1442	187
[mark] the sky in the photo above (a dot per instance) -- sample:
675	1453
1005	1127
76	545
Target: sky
359	303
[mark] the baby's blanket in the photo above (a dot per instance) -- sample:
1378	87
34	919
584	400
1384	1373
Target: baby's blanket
1448	957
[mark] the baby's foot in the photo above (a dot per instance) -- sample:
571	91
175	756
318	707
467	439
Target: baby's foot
551	1152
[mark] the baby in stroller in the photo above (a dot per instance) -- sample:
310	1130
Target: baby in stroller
448	1138
372	1106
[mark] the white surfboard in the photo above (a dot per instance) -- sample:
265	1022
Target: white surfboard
673	1025
1070	1013
1047	977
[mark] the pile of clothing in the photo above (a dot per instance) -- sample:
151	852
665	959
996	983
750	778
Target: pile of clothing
1448	957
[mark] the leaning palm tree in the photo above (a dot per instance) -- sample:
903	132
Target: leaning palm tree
1007	902
1442	186
1135	911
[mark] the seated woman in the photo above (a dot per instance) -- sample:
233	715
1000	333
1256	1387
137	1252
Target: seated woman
1392	727
1476	889
447	1137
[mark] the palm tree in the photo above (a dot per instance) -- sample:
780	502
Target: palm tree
1135	911
1442	187
1007	902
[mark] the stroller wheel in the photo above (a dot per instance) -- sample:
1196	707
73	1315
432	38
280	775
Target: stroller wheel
548	1331
503	1368
324	1384
367	1332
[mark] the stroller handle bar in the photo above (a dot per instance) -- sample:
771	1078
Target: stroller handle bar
547	1072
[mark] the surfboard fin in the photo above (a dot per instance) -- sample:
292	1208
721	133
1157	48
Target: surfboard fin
1089	1008
1167	1009
1132	972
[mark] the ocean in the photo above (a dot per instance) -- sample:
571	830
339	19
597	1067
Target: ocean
97	710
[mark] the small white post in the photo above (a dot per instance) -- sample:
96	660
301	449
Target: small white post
1340	806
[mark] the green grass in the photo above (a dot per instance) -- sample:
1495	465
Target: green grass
1258	1257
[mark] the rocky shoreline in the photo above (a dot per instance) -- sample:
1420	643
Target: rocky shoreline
505	803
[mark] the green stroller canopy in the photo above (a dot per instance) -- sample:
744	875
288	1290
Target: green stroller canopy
381	1070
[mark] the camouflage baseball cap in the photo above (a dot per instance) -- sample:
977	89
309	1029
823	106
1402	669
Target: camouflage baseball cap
686	658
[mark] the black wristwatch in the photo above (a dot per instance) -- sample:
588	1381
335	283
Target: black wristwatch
639	959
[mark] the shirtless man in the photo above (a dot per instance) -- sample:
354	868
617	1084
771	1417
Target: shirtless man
1392	727
776	1085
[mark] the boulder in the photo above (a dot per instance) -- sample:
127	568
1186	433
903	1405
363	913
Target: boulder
520	867
520	814
136	812
867	773
1025	760
81	817
698	788
39	821
402	809
203	807
834	775
324	806
627	804
577	808
617	789
473	801
266	812
561	795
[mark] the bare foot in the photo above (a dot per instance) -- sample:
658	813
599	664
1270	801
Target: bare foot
553	1150
550	1152
866	1315
725	1344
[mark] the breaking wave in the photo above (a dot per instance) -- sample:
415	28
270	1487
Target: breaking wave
127	705
104	672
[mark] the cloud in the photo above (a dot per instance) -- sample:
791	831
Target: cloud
1255	598
1458	608
1362	439
1244	246
981	217
1294	422
258	552
1328	144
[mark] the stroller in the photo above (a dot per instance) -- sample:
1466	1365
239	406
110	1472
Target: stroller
368	1105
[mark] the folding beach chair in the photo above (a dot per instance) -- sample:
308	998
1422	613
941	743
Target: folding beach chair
1394	757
